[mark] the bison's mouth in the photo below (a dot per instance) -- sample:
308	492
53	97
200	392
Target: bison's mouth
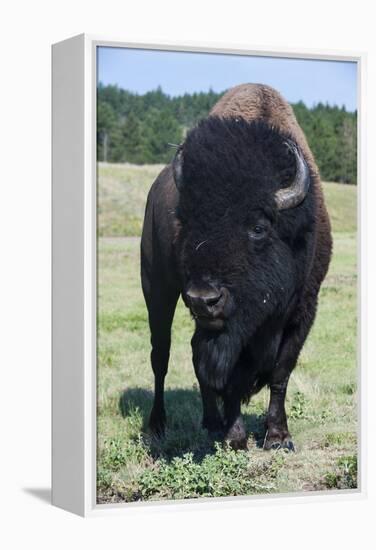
210	323
209	304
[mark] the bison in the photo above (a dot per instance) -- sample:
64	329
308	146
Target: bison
237	226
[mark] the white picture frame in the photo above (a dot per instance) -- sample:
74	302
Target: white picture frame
74	273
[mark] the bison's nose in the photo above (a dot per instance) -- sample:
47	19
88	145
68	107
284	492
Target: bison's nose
205	301
204	298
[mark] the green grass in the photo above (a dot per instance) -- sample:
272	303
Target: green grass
321	401
341	202
122	192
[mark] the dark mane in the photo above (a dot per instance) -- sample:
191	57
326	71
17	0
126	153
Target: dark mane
232	166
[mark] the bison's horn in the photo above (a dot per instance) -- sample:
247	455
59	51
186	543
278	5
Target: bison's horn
291	196
177	168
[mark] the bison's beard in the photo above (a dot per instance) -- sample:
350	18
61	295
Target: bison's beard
215	355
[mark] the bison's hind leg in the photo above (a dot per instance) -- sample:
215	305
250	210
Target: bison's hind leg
277	433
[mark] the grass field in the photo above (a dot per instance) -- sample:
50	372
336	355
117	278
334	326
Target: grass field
321	402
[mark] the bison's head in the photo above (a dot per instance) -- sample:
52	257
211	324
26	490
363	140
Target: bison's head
245	218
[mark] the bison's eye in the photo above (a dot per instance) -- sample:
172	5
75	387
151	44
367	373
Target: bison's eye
258	231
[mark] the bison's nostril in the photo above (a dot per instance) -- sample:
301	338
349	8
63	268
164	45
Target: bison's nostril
211	300
202	300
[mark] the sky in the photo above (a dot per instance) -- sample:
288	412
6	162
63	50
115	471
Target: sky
311	81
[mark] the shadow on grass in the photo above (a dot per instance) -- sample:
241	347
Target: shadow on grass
184	432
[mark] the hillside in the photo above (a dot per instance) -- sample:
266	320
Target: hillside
123	189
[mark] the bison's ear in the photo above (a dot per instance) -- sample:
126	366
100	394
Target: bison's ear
177	168
292	196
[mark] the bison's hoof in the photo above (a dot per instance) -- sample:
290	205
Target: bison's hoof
276	442
236	436
238	444
157	423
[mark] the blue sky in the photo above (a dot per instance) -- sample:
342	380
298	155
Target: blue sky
311	81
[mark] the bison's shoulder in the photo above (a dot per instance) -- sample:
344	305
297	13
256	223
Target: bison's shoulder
261	102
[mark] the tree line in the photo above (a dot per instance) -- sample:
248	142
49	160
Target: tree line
138	128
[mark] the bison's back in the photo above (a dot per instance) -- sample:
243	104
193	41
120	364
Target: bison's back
261	102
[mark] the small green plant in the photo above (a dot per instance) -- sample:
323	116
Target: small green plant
115	454
302	409
298	407
345	475
104	479
349	389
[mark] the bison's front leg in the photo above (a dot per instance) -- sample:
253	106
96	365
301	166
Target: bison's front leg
235	433
211	418
161	309
277	433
